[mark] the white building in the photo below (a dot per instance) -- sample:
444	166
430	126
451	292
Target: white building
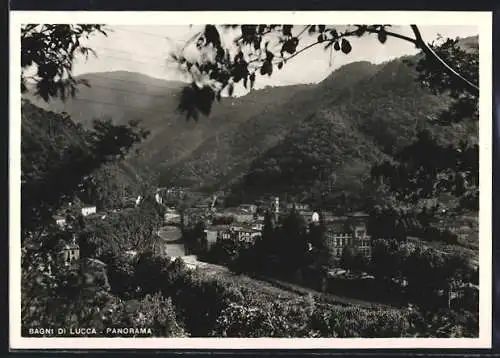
89	210
60	221
158	198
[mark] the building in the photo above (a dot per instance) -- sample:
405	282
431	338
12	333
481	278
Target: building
258	223
306	214
173	193
327	216
202	206
158	197
338	236
211	235
218	233
239	215
70	253
88	210
60	221
246	234
240	233
298	206
249	208
349	231
275	207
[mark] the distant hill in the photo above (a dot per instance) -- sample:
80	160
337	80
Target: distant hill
48	140
278	139
227	155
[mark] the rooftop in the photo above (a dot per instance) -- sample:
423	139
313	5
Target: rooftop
71	246
236	211
358	214
336	227
218	227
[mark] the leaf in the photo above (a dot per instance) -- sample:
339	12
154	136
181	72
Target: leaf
280	65
257	42
212	35
382	36
287	30
321	38
321	28
290	46
361	30
270	70
345	46
336	46
269	56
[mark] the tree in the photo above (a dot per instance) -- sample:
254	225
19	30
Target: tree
293	241
121	275
152	312
444	68
55	148
260	49
353	260
321	257
386	261
74	156
269	227
51	49
427	168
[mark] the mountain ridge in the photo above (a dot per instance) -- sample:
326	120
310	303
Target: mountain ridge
366	111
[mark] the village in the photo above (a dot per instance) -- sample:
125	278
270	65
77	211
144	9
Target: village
243	223
215	224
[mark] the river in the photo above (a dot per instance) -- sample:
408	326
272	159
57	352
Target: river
172	239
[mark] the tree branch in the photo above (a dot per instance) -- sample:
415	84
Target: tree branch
420	43
393	34
353	33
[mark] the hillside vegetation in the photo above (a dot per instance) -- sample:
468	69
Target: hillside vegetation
50	143
286	139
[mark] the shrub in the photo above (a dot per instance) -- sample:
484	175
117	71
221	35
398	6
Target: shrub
199	302
153	311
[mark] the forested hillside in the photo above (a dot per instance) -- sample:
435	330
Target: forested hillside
335	146
50	142
279	139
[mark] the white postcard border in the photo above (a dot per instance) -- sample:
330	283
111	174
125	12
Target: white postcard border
481	19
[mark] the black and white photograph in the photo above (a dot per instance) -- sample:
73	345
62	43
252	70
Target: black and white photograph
204	179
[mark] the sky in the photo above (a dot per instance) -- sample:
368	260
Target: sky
145	49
